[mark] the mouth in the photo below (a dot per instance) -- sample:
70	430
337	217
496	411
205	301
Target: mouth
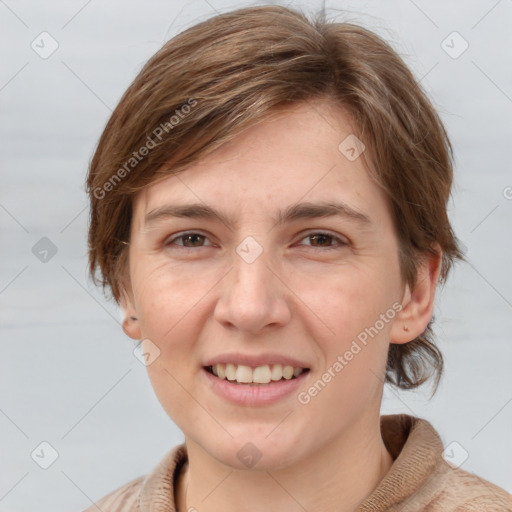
257	376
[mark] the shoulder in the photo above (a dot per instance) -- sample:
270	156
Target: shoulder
123	499
474	494
421	478
155	489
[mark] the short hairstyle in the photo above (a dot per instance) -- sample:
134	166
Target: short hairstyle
232	71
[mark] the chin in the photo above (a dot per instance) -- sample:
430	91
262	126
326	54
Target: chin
253	452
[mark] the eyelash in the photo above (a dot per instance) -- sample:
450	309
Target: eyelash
340	242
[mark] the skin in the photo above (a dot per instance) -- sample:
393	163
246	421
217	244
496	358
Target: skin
304	296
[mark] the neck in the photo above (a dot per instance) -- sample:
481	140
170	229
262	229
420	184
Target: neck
337	477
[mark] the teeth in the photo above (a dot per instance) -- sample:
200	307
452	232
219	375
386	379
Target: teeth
230	371
288	372
277	372
243	374
260	375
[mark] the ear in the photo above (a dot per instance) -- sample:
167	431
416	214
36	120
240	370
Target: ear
131	326
418	303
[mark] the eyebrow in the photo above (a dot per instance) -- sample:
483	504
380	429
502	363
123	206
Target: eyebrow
292	213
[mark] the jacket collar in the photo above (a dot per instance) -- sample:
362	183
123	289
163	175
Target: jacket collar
413	443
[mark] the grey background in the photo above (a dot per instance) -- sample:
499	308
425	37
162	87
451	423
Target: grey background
68	373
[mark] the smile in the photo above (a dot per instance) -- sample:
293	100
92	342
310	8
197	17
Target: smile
266	374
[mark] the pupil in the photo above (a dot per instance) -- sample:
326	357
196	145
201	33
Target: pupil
192	237
321	237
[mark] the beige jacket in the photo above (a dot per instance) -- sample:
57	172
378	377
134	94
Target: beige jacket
419	479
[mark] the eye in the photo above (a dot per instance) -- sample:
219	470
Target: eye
192	239
324	240
189	240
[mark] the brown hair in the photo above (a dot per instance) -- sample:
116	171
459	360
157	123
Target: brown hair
207	84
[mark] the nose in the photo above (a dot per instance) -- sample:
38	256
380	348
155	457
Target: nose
253	296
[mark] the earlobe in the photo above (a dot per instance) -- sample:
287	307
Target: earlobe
130	321
131	327
418	302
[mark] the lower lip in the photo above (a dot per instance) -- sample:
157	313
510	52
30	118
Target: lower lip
260	394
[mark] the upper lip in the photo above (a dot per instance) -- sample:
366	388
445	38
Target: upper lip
255	361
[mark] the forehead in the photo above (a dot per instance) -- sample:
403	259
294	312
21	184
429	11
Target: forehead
297	155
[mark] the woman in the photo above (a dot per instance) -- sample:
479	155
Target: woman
268	206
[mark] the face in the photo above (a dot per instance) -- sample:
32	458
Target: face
299	268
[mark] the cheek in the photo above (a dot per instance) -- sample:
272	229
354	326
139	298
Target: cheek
166	294
167	306
356	305
355	356
347	299
169	383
